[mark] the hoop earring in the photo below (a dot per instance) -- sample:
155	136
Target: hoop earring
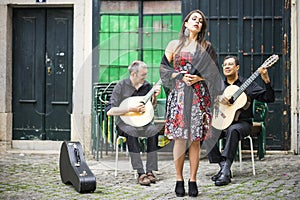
186	32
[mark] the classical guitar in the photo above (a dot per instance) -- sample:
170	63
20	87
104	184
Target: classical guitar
138	119
223	115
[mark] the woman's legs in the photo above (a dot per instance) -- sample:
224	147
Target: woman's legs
179	155
194	157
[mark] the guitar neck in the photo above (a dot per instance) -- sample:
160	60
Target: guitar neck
150	93
245	85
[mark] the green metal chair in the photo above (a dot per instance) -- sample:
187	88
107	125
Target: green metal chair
102	129
260	111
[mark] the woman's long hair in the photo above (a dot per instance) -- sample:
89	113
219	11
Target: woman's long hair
201	35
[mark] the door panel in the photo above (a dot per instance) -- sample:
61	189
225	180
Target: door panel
42	100
58	73
28	67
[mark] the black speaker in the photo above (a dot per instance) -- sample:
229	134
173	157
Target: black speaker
73	168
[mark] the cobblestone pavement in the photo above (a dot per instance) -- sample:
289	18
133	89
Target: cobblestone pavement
37	176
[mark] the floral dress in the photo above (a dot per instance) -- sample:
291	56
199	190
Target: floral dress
188	113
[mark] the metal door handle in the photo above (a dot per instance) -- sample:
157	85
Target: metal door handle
49	63
49	70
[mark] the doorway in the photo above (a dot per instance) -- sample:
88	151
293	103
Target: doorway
42	73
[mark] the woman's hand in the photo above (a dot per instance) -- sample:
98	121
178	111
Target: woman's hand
191	79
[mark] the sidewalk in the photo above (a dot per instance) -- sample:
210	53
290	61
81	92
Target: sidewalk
37	176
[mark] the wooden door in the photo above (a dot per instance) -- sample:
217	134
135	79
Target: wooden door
42	73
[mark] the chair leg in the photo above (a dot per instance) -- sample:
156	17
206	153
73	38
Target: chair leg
240	154
119	138
264	138
262	142
220	144
117	156
252	155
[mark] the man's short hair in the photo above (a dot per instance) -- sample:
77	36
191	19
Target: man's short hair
236	60
136	65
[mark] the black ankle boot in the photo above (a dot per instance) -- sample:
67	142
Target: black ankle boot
193	189
225	175
216	176
179	189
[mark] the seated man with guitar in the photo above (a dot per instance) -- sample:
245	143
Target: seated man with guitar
131	101
232	113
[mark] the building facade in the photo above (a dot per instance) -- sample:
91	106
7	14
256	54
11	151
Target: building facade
54	50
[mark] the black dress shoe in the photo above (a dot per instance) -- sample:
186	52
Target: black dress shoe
179	189
216	176
193	189
224	179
